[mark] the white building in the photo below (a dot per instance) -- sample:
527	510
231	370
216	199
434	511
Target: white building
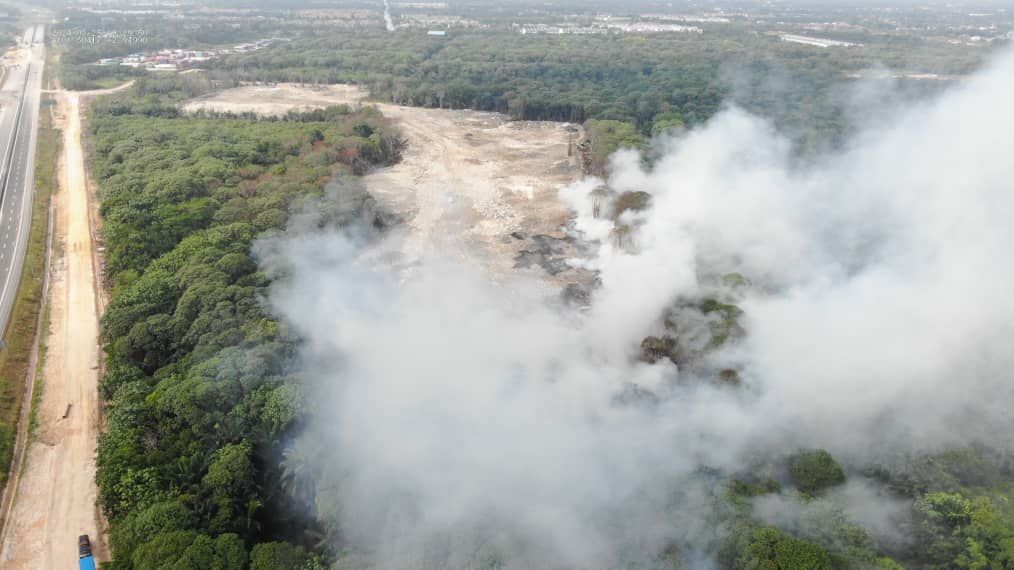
819	42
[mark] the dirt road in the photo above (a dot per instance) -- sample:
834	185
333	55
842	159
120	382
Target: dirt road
56	495
470	184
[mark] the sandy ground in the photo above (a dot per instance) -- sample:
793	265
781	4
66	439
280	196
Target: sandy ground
56	495
471	184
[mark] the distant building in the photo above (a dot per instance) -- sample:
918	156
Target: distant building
819	42
436	33
176	59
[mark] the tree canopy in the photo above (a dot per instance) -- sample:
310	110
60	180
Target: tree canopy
199	388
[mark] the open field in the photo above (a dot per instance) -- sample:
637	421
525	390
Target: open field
470	184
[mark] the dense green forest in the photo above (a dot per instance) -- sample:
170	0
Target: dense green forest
650	80
201	396
961	516
958	505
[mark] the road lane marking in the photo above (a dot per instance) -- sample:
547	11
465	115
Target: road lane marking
22	154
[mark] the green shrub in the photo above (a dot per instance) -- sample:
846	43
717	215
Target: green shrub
772	549
813	471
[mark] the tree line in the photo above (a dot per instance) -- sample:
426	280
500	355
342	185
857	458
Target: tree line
642	79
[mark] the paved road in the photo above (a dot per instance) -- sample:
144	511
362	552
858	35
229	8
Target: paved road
19	119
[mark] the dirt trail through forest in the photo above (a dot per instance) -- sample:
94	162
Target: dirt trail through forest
471	184
56	495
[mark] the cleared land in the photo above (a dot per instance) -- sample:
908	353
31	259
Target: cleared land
56	495
471	184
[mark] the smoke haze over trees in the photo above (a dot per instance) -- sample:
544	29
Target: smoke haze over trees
461	424
794	353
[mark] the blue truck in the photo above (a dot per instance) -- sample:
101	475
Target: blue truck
84	553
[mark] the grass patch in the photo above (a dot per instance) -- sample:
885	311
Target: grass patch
87	77
33	414
20	335
51	71
107	83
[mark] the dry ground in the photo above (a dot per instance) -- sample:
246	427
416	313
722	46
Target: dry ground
468	180
56	495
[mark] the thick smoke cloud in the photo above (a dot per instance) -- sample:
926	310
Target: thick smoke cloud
460	422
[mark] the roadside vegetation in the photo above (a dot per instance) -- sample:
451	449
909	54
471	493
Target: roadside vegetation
21	332
201	397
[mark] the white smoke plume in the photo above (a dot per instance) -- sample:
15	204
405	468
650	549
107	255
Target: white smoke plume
461	422
854	503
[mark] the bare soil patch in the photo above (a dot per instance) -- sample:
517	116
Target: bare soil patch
471	183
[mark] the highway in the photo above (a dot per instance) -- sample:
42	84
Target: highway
19	119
